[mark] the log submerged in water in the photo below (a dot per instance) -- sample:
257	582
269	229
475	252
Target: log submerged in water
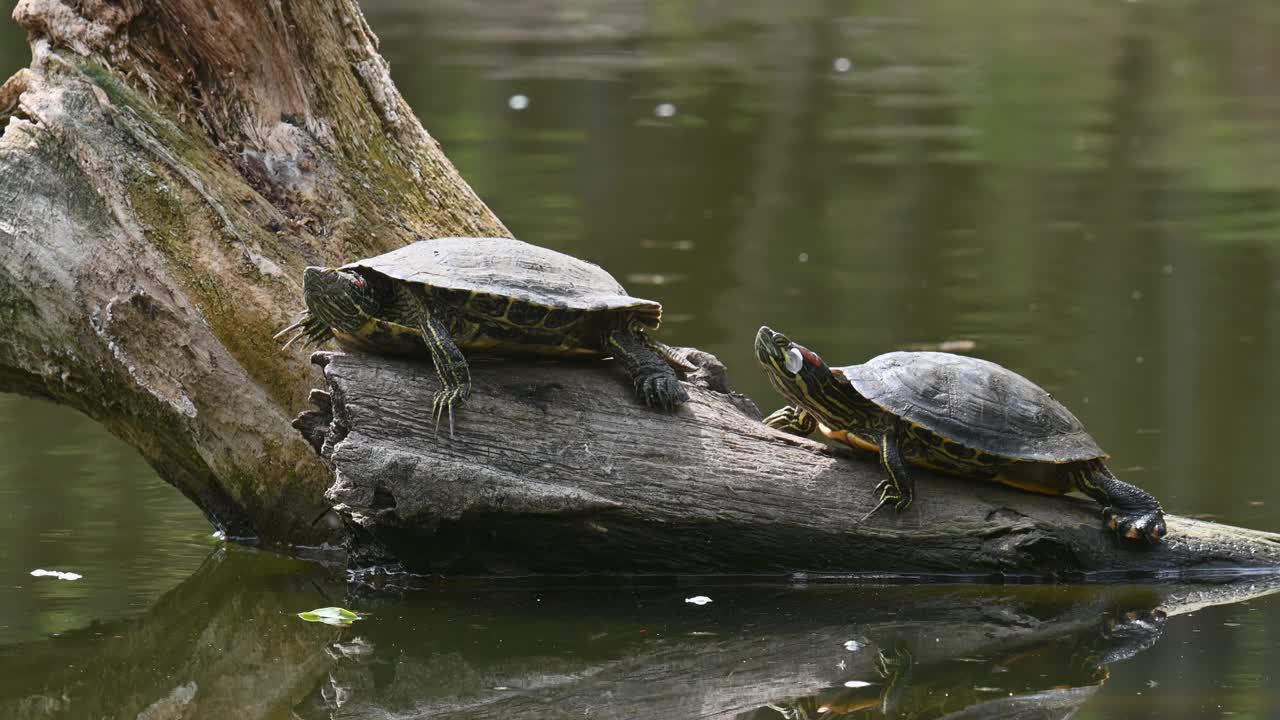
554	468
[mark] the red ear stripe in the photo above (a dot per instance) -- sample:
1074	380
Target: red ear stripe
811	356
358	281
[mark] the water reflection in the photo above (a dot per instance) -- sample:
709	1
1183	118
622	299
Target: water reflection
1049	673
76	499
227	642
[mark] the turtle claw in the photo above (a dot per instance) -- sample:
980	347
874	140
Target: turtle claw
791	420
1130	633
315	331
890	494
662	392
297	325
443	403
885	665
1149	526
292	340
782	418
874	510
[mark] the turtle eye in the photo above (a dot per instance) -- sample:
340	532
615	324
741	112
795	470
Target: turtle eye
795	361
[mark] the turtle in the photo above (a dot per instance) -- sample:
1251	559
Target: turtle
492	295
955	414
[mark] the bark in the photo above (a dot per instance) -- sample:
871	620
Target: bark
166	171
555	468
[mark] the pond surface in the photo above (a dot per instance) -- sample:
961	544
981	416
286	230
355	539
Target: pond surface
1089	193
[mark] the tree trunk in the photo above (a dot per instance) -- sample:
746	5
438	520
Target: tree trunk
555	468
166	171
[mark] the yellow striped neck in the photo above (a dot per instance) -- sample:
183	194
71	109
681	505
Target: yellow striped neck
833	403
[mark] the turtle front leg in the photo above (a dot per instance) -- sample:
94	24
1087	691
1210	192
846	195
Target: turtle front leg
793	420
451	367
1129	510
655	381
899	489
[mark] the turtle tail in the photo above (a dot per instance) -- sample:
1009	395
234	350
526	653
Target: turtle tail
669	354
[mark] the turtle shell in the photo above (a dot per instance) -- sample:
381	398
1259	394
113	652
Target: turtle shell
509	268
976	403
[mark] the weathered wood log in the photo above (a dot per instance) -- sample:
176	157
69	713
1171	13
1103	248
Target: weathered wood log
166	171
554	468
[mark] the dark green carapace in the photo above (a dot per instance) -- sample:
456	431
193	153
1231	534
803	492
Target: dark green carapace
954	414
493	295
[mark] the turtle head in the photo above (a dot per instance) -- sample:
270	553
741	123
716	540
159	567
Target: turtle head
777	354
340	299
793	369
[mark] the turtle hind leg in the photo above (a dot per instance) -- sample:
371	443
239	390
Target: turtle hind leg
655	381
793	420
1129	510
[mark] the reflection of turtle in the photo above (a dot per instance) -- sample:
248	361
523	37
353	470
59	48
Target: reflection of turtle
486	294
950	413
1049	674
895	671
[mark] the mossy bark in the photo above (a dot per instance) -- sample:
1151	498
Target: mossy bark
167	169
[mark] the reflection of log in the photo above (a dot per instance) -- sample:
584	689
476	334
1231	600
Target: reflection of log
224	644
167	168
555	468
636	652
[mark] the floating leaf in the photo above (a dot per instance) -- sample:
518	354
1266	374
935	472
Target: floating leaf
330	616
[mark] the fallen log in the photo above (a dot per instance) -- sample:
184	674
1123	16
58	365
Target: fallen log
555	469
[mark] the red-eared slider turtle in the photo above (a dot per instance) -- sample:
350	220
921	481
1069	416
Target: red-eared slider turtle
955	414
495	295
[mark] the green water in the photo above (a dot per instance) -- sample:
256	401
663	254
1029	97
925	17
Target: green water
1089	192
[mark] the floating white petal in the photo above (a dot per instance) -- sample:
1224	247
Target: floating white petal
57	573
